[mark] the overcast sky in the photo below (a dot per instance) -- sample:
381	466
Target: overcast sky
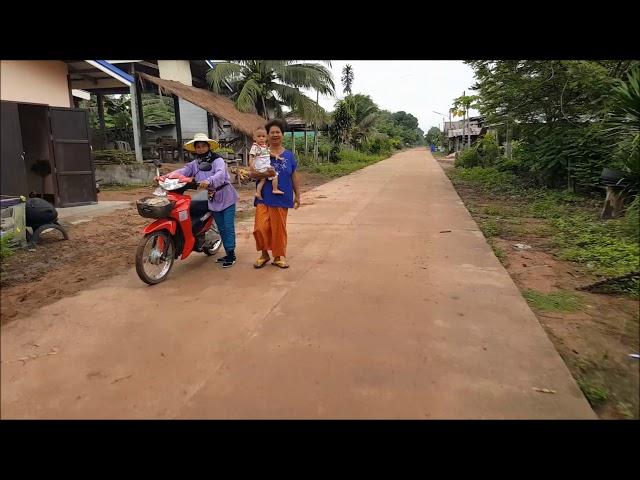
416	86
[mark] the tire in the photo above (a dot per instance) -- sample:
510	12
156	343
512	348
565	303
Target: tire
35	237
150	239
216	245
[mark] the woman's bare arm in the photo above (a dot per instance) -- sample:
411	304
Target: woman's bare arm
297	199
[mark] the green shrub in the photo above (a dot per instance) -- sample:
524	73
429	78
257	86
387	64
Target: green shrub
601	246
467	158
553	302
488	178
490	228
6	249
354	156
484	153
305	160
596	393
499	253
555	151
606	248
334	152
505	164
378	144
488	150
346	161
631	221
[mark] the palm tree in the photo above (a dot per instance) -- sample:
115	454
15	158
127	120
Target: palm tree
265	86
364	113
353	119
347	79
462	105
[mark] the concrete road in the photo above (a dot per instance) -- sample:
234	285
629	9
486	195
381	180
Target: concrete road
394	307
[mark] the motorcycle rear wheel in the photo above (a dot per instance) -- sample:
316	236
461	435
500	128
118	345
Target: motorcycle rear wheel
217	243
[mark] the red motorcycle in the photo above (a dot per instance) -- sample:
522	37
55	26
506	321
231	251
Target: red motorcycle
182	224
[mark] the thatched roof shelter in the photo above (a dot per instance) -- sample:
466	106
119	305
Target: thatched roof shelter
213	103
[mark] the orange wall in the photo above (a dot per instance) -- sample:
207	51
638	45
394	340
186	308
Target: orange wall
35	81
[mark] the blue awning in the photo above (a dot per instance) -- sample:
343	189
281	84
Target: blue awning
112	71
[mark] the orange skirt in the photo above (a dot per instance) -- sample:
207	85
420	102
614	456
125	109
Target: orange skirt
270	229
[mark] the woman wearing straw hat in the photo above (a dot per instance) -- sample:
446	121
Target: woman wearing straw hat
210	171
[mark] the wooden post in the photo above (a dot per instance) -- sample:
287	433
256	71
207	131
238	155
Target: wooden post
100	101
467	125
315	129
306	145
176	109
72	102
135	120
210	125
143	134
613	204
216	128
449	146
315	143
570	186
293	141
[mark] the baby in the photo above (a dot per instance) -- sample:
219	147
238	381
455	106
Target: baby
259	156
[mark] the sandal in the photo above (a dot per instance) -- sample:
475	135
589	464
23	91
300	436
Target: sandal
280	263
261	262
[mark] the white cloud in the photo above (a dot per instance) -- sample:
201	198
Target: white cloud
419	87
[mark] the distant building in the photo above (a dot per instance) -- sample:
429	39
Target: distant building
458	131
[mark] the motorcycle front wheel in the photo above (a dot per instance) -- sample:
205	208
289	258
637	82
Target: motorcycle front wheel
154	257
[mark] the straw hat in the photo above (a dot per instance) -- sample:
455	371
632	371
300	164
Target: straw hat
201	137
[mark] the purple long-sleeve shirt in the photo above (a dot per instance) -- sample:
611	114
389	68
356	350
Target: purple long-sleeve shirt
218	175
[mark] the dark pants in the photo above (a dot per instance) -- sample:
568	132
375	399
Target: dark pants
225	220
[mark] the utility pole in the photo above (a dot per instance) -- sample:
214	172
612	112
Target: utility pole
466	106
444	126
449	141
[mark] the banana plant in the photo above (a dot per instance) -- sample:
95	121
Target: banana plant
624	122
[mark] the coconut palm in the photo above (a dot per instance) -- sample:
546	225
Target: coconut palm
353	119
364	113
347	79
265	86
462	105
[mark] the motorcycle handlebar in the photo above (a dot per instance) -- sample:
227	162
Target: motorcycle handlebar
192	185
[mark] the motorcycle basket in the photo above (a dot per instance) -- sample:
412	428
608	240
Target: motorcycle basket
155	207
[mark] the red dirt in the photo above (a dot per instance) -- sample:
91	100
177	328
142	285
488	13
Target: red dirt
33	278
